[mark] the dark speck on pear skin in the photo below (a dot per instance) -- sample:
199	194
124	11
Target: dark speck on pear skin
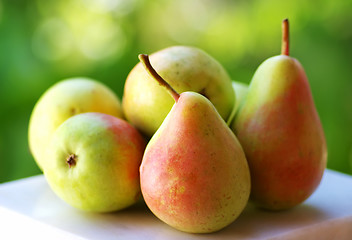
73	111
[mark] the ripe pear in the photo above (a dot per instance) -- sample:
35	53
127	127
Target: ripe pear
94	162
63	100
281	133
194	174
146	104
241	90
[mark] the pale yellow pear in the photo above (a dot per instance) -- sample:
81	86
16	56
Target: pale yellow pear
63	100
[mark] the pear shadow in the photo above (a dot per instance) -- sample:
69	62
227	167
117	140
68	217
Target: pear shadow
137	214
138	222
256	222
119	223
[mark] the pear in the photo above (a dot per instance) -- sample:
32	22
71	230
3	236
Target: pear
194	174
94	162
61	101
146	104
280	131
241	90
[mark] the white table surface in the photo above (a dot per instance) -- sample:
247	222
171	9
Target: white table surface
28	209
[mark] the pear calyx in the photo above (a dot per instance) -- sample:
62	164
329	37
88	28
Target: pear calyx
285	48
144	58
71	160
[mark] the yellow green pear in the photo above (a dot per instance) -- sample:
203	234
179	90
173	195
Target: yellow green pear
146	104
241	90
94	162
63	100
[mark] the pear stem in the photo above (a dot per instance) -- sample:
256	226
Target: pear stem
285	50
144	58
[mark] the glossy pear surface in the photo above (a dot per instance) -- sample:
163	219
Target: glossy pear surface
63	100
194	175
94	162
281	133
146	103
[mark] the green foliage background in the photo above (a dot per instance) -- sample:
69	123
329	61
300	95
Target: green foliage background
44	41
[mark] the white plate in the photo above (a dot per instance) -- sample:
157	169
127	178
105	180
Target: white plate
28	208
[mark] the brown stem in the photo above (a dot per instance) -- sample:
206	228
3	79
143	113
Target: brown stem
144	58
285	50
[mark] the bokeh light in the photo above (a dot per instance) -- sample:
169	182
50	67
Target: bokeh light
43	42
79	33
52	40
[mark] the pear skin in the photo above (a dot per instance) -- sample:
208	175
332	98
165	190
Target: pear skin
280	131
146	104
61	101
194	175
95	161
241	90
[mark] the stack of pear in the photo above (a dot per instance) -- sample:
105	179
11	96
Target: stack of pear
194	175
281	133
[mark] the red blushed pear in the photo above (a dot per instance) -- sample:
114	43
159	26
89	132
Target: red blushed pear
94	162
194	175
280	131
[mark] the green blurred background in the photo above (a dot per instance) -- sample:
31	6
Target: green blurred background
44	41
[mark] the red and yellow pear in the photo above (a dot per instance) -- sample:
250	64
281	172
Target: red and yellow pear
94	162
194	175
280	131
